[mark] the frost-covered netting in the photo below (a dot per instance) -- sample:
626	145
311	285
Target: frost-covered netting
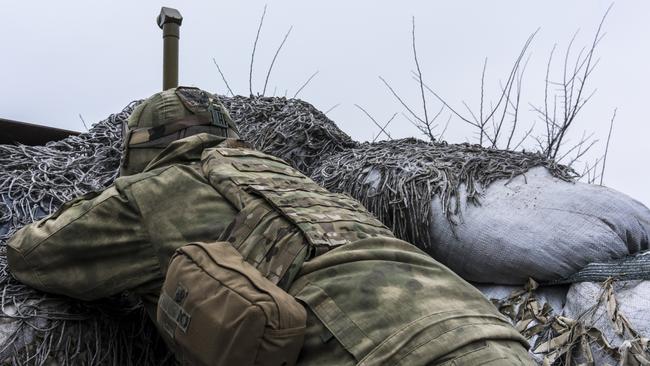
37	328
291	129
396	180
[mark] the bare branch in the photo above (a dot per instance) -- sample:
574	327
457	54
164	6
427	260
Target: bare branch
591	178
375	121
305	84
400	99
417	65
384	128
481	104
409	119
223	77
268	74
449	107
549	127
578	146
257	36
514	69
580	152
442	134
575	107
515	106
415	124
84	122
568	96
609	136
471	113
503	102
332	108
525	137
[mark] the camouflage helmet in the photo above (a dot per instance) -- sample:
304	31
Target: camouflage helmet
169	116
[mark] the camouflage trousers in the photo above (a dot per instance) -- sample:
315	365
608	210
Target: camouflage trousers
381	301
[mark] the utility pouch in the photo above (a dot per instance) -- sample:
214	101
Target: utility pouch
216	309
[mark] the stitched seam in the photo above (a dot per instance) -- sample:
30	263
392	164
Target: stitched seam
325	323
415	322
436	337
66	225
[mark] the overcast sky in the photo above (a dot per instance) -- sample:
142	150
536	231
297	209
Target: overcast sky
62	59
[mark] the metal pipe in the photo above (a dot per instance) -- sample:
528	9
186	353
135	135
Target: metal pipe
170	21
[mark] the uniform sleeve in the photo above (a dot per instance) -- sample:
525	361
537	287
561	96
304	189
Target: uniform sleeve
91	248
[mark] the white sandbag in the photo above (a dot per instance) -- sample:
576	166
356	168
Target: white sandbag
588	302
555	296
540	227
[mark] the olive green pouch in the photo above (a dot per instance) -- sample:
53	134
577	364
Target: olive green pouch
216	309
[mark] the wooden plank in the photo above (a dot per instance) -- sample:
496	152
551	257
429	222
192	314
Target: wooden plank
13	132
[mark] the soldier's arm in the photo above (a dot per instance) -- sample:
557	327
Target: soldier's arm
92	247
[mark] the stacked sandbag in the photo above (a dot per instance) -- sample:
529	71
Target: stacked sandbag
491	216
615	318
536	225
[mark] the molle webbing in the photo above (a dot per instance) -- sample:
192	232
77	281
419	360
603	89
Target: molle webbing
145	135
284	216
208	115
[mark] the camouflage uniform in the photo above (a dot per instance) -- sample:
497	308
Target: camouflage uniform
371	299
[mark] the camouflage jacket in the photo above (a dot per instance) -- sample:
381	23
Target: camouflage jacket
371	299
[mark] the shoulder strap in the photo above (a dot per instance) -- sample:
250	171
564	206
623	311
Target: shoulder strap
326	220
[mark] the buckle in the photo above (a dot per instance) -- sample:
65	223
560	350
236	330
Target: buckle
217	118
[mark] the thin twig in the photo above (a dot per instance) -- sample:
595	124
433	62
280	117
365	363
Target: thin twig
578	146
550	128
525	137
223	77
424	100
515	106
609	136
503	102
257	36
375	121
576	106
400	99
384	128
442	134
84	122
482	122
268	74
305	84
331	108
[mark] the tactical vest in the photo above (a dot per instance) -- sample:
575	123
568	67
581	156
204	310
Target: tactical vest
222	303
284	217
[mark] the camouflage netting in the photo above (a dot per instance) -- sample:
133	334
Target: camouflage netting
34	181
288	128
584	339
396	180
385	176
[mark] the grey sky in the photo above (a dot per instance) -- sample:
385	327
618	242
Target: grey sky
62	59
